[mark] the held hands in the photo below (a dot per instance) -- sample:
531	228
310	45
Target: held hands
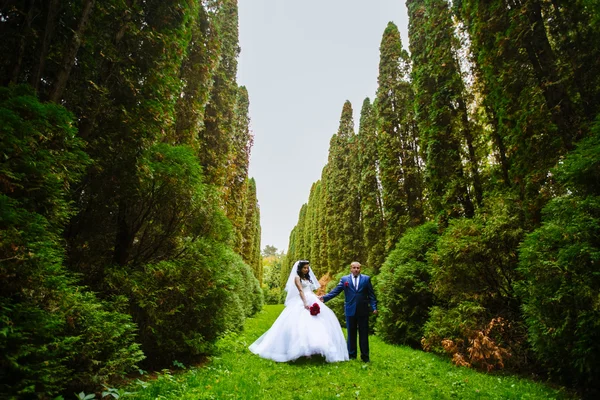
320	298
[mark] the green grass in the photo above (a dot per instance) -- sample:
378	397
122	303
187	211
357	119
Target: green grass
395	372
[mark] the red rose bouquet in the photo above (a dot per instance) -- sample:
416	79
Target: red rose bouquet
315	309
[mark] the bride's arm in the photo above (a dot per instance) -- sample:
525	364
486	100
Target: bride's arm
299	286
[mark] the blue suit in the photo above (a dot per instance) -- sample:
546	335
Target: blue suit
356	307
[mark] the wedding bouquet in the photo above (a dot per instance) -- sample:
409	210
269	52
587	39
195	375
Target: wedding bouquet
315	309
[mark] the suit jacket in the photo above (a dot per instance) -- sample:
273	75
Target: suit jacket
357	301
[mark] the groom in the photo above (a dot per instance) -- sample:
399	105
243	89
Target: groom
359	294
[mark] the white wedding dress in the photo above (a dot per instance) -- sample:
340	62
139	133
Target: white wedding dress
297	333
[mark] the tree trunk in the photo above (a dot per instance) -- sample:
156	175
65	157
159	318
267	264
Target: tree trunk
542	58
123	237
51	17
23	42
472	156
71	53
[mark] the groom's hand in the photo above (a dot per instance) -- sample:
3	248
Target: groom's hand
375	312
321	298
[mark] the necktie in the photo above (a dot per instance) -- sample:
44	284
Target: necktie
356	282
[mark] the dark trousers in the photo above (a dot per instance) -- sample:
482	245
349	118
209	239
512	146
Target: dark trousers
360	324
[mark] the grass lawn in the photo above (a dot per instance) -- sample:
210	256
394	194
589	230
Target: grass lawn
395	372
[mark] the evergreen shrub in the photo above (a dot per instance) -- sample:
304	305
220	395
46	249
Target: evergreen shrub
54	334
403	287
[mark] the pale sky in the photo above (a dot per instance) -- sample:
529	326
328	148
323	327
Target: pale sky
300	61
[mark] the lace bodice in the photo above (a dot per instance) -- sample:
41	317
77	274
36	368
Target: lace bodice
306	286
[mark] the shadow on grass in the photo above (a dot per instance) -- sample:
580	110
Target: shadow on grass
316	359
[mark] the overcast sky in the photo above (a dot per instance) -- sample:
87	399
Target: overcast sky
300	61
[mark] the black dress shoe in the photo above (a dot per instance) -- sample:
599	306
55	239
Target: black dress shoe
367	360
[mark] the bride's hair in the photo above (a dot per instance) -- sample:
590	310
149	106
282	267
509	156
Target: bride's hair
301	264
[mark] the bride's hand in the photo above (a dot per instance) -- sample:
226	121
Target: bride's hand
307	306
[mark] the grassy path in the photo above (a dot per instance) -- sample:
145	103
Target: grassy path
394	373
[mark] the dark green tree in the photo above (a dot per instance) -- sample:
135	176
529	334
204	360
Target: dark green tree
451	174
400	171
251	234
234	192
404	287
216	134
343	208
56	333
533	112
371	204
559	263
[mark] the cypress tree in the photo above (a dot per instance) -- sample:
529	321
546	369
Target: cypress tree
317	227
444	125
234	192
322	223
343	209
215	137
251	230
371	205
532	115
400	172
300	233
310	224
196	74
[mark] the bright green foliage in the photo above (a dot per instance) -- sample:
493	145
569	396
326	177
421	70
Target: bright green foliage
559	262
300	239
216	136
251	234
404	287
476	259
125	116
474	267
42	154
152	89
396	372
272	275
455	323
196	74
400	172
183	305
533	116
344	233
54	332
311	224
234	195
371	204
580	170
444	128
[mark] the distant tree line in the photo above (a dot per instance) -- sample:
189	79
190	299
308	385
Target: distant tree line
471	189
130	230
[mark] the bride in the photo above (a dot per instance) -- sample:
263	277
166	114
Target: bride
306	326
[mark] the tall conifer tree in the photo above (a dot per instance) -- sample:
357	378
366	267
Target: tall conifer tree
251	233
343	208
196	74
532	115
371	206
397	139
215	136
234	192
323	223
444	125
